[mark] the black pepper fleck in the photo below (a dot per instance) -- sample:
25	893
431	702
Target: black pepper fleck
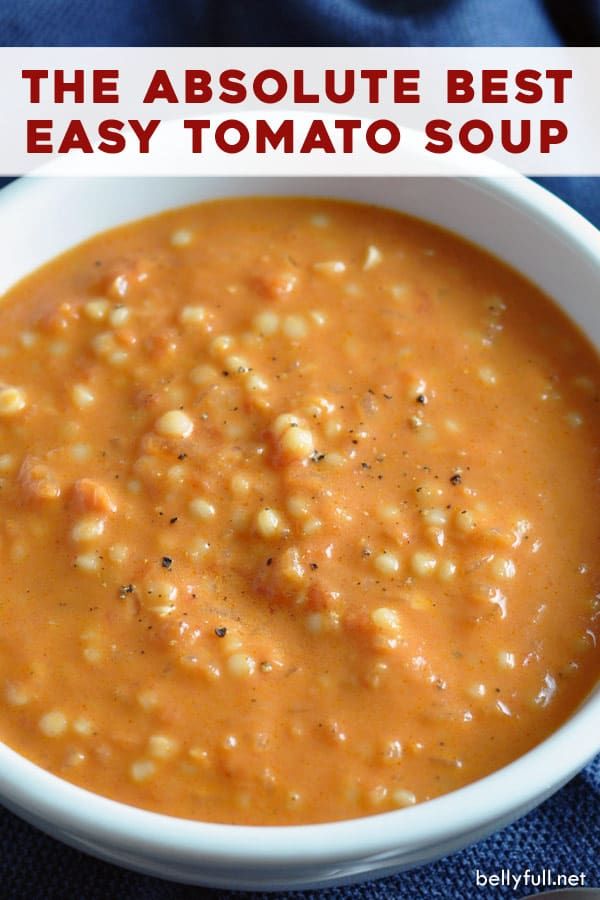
166	562
221	631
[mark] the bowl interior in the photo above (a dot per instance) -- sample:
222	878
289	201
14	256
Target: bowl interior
512	218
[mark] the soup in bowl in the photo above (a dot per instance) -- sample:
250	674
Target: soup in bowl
300	530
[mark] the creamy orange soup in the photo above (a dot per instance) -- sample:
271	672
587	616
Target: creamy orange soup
299	513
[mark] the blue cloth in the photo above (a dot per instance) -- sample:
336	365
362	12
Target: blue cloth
300	22
562	834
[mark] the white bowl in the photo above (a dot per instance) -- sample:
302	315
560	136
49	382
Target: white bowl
523	225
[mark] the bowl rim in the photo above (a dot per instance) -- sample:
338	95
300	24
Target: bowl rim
493	799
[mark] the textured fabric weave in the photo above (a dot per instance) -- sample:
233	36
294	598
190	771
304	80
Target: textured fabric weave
564	833
300	22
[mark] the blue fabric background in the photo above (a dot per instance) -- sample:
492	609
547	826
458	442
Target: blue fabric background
564	833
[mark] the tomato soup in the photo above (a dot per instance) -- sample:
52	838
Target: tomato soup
299	513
